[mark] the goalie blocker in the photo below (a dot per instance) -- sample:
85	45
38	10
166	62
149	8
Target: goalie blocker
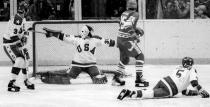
52	33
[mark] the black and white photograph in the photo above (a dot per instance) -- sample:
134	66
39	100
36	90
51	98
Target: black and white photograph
104	53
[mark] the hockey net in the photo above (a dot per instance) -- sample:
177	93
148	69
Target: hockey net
52	54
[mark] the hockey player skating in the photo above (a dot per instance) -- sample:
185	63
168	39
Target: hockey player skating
178	82
84	58
14	46
127	41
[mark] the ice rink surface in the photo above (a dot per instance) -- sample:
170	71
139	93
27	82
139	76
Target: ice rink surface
81	93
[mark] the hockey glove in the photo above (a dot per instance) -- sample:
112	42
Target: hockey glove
204	93
26	33
99	79
139	32
24	40
51	33
30	29
25	51
188	92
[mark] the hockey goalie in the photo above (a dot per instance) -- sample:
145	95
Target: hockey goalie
84	59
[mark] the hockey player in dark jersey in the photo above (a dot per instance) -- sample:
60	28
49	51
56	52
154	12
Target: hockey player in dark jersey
14	43
177	82
127	41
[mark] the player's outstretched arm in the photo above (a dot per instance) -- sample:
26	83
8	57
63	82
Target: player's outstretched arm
53	33
104	41
201	91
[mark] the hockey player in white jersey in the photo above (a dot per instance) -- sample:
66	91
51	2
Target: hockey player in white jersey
177	82
84	57
14	42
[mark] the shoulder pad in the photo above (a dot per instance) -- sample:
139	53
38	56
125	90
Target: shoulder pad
135	14
96	37
17	20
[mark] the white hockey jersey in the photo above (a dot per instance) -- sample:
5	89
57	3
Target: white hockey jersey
183	76
180	79
85	49
14	29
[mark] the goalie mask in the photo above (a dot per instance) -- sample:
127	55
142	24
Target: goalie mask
86	31
187	62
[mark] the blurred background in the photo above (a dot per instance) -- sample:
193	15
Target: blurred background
105	9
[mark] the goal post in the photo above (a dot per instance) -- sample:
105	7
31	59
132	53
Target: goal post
51	53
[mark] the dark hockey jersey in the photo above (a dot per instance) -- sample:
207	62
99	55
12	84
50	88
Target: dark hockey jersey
128	23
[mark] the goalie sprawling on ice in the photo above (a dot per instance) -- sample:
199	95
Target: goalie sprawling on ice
84	59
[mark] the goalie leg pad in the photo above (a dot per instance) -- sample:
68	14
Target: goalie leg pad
100	79
55	77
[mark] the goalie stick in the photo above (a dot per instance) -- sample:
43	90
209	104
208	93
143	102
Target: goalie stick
44	28
31	30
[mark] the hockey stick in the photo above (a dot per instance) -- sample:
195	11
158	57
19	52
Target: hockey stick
31	30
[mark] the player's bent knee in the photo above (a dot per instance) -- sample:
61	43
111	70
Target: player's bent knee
125	60
19	62
99	79
140	57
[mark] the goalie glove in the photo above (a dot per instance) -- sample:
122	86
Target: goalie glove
52	33
100	79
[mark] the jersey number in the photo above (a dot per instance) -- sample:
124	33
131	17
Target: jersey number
86	48
124	22
179	73
16	31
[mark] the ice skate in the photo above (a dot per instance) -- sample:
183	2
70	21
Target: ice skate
116	81
12	87
141	82
29	85
124	93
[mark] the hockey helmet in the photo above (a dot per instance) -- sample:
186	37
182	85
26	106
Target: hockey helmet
86	31
187	62
131	4
22	7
